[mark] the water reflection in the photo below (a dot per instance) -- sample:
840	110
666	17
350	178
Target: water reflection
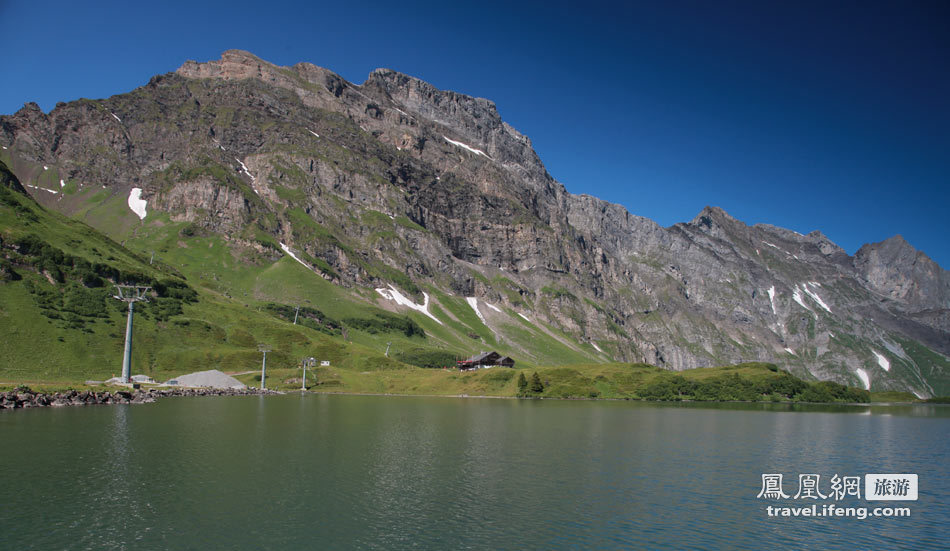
906	410
112	509
380	473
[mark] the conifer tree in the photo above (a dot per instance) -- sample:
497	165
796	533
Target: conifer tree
536	384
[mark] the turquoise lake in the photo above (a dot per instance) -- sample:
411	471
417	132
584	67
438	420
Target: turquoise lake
373	472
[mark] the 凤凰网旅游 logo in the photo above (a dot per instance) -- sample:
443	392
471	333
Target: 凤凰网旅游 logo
877	487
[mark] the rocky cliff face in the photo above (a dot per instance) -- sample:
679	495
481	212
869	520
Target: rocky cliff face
900	272
396	182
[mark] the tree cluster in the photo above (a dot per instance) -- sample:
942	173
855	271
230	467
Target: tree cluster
532	388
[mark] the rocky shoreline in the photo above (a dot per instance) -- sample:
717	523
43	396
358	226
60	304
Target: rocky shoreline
26	398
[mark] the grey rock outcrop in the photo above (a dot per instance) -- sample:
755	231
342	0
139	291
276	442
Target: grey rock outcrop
900	272
19	399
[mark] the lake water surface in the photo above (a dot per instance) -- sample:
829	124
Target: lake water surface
367	472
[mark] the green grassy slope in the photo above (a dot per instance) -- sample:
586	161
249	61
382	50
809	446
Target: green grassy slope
60	323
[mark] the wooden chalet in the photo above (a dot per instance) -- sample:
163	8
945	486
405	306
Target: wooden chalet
486	359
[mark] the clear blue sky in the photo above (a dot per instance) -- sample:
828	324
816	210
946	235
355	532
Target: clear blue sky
804	114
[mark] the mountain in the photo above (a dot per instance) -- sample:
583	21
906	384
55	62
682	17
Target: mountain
424	202
61	324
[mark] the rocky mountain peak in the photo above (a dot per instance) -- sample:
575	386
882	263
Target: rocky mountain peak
715	222
316	86
426	99
473	119
896	269
30	124
30	108
25	115
824	244
713	215
895	243
894	250
234	64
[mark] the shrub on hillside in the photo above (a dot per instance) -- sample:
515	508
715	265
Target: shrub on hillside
384	322
829	391
306	316
668	388
427	357
82	289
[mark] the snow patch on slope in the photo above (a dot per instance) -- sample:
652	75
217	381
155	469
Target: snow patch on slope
814	295
114	116
468	147
62	183
524	317
772	298
314	133
42	188
394	295
882	361
493	307
136	203
797	296
248	172
287	250
863	375
473	302
594	344
777	248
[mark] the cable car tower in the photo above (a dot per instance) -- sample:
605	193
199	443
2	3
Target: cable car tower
130	294
265	348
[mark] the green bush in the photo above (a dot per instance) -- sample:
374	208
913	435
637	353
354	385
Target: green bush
306	316
726	388
668	388
428	358
784	384
828	391
384	322
178	290
86	302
